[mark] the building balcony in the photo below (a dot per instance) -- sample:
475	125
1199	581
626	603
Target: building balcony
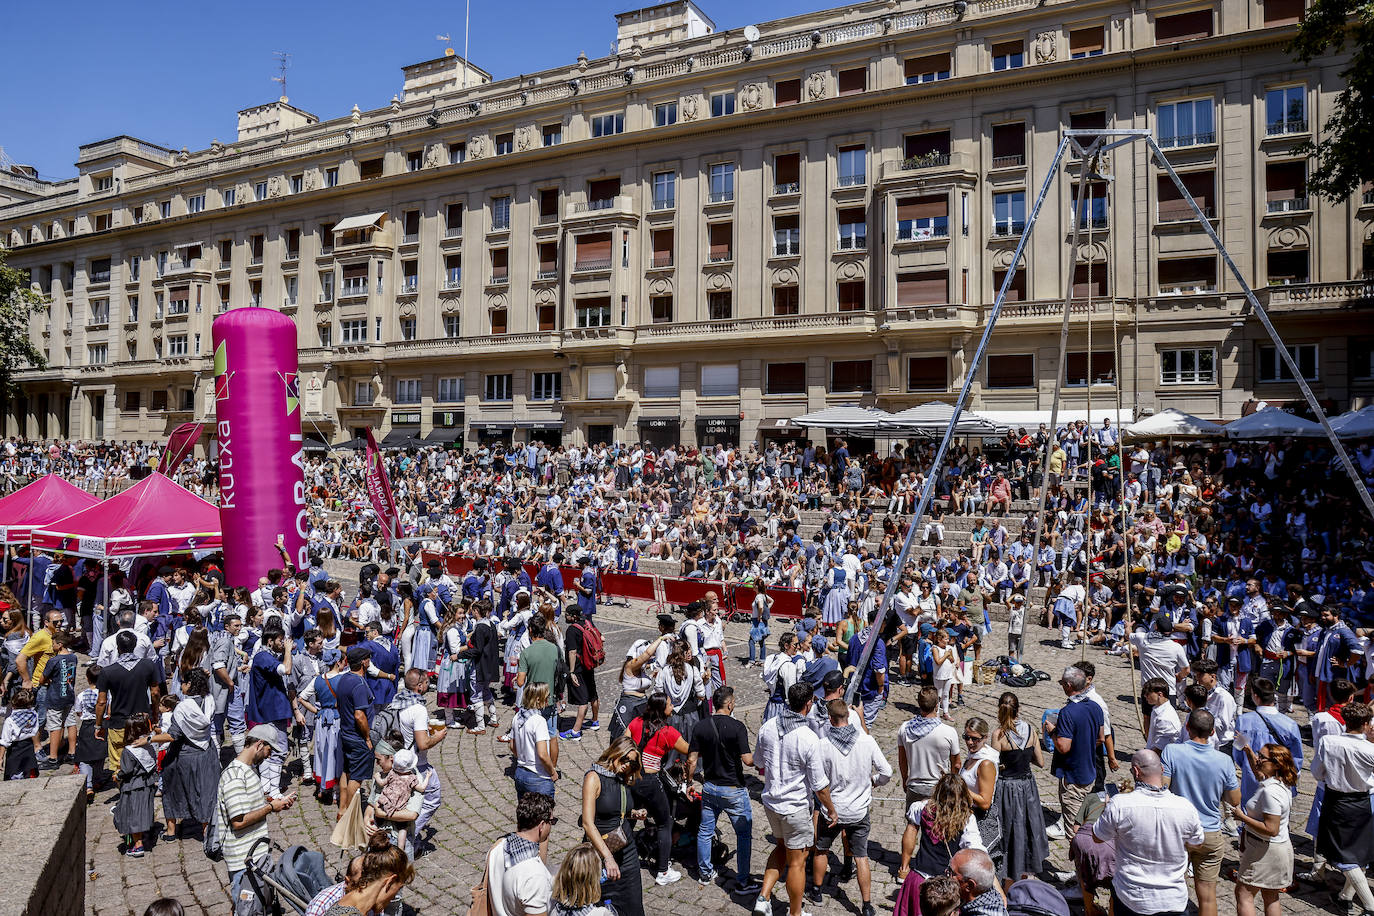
499	280
1287	205
908	233
787	249
664	203
584	211
591	265
1092	223
409	287
1340	294
1283	128
935	164
1008	228
784	188
721	197
844	323
546	275
352	289
491	343
1009	162
1182	213
1179	141
1051	311
452	284
661	262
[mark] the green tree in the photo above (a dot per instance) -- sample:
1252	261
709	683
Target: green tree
1341	159
18	303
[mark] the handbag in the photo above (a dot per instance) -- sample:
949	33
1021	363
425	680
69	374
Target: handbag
618	838
481	894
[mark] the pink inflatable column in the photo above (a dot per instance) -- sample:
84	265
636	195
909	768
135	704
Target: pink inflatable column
261	459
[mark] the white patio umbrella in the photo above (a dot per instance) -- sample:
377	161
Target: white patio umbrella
855	419
1174	424
933	419
1272	423
1357	424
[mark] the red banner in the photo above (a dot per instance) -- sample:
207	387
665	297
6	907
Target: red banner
179	446
379	491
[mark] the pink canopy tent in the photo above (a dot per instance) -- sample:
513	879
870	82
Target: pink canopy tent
154	516
42	502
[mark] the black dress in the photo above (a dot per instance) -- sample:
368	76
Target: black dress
613	806
1024	843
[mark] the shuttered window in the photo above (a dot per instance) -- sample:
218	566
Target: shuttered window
851	375
912	208
1172	206
594	247
853	81
785	378
930	287
1090	280
601	383
927	373
1016	292
1282	12
786	92
1187	274
1183	26
927	69
1086	42
850	296
720	380
1076	368
720	236
1011	370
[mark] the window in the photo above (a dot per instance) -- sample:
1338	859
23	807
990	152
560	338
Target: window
720	305
786	92
785	378
601	383
453	221
786	300
179	301
850	296
450	390
1183	276
1286	267
662	382
722	103
177	345
229	196
297	183
665	190
602	192
593	251
608	124
453	271
1271	368
722	182
1016	292
786	236
97	354
500	264
546	386
326	335
100	270
415	160
661	309
1093	205
594	313
720	241
364	395
553	134
927	373
1008	145
255	293
1285	186
133	308
260	190
195	203
1076	368
1008	55
164	209
331	178
1361	358
1172	205
370	168
326	234
787	173
665	114
546	318
291	287
853	228
496	387
497	318
1008	213
1187	366
548	205
1186	123
1088	120
1087	42
326	286
157	399
354	280
852	166
851	375
1286	110
853	81
920	288
662	242
452	326
457	153
224	297
103	182
353	331
548	261
720	380
408	329
135	266
922	217
927	69
407	391
1282	12
133	401
500	213
1011	370
1183	26
1090	281
255	246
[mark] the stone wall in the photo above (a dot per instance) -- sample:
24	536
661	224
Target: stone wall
43	846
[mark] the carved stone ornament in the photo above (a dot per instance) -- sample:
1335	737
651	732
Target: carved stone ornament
815	85
660	286
406	309
691	107
276	186
785	276
850	270
311	180
150	211
524	138
434	156
751	97
544	295
1002	260
477	146
1093	252
718	281
450	305
496	301
1288	237
1045	50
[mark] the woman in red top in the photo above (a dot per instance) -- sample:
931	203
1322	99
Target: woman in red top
654	737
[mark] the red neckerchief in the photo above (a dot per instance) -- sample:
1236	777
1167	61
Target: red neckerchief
1336	714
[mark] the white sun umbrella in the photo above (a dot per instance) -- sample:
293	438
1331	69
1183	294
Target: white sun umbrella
1174	424
933	419
1357	424
863	420
1272	423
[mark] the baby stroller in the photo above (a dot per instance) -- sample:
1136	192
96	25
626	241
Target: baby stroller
281	885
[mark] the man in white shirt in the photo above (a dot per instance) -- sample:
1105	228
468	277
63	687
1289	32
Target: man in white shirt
518	881
1165	725
926	748
1220	703
128	620
788	757
1153	829
1345	828
854	764
1068	610
1160	657
417	733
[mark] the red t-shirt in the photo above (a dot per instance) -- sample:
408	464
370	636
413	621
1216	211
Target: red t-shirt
663	740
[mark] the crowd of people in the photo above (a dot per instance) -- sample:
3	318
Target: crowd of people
1238	577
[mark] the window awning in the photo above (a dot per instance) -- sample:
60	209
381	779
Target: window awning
180	245
366	221
400	437
548	423
445	434
492	426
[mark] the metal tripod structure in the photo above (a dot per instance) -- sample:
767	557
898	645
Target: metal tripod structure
1089	145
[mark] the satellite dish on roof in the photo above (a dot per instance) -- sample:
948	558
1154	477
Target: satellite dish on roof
751	33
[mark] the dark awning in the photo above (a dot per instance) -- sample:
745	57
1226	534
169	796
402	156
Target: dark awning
445	434
401	437
312	444
661	422
539	424
491	426
717	422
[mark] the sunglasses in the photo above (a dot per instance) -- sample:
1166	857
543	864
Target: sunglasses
553	822
973	738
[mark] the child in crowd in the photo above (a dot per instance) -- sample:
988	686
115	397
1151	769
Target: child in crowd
90	750
138	776
19	737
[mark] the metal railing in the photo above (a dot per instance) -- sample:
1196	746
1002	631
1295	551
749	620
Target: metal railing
851	181
592	264
787	187
661	261
591	206
665	203
1008	227
928	161
1196	139
850	242
1288	205
1290	126
353	287
547	274
911	233
720	197
721	258
1182	213
1008	162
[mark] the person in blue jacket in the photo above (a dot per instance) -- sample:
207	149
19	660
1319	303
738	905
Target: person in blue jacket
516	579
550	578
586	588
384	670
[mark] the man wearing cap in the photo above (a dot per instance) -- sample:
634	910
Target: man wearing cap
268	700
476	583
243	804
354	701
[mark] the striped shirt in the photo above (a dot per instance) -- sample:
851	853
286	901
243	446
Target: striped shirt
240	791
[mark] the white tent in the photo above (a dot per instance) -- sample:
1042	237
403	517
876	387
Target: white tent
1357	424
845	419
933	419
1174	424
1030	419
1272	423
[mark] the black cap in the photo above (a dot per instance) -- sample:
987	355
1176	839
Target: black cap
479	563
358	654
165	570
833	680
667	620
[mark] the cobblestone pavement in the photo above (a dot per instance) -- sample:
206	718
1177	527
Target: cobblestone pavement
479	801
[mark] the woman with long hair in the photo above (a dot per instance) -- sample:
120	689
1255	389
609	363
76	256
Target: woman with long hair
16	635
190	768
577	887
384	871
683	684
943	823
979	772
1266	851
608	816
1024	844
656	738
195	655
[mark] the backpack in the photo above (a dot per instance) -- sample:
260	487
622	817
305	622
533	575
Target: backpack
384	723
593	646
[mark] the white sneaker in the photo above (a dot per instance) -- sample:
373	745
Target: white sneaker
1055	831
1068	644
763	906
668	877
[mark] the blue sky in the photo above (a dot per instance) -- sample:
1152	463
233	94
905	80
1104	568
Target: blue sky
175	74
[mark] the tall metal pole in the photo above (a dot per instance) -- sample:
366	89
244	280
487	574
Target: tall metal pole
467	18
928	491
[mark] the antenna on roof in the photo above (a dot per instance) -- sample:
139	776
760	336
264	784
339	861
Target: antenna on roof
283	64
467	22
